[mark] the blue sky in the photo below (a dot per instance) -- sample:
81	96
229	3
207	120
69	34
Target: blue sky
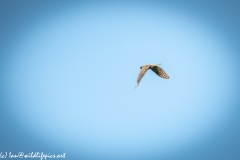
69	70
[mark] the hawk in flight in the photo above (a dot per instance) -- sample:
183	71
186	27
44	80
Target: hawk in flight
155	68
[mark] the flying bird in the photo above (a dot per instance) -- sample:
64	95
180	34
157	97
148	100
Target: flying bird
155	68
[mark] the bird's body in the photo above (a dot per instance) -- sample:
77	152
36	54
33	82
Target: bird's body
155	68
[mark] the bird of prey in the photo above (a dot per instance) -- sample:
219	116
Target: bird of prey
155	68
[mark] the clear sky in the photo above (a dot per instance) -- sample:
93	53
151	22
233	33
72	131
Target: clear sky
68	71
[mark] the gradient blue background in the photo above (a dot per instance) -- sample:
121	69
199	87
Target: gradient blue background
68	71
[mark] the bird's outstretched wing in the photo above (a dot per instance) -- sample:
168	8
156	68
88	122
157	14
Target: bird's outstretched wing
160	72
141	73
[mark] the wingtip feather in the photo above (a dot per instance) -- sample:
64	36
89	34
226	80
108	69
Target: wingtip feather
136	86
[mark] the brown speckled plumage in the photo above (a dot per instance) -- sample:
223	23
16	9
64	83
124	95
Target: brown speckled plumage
155	68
